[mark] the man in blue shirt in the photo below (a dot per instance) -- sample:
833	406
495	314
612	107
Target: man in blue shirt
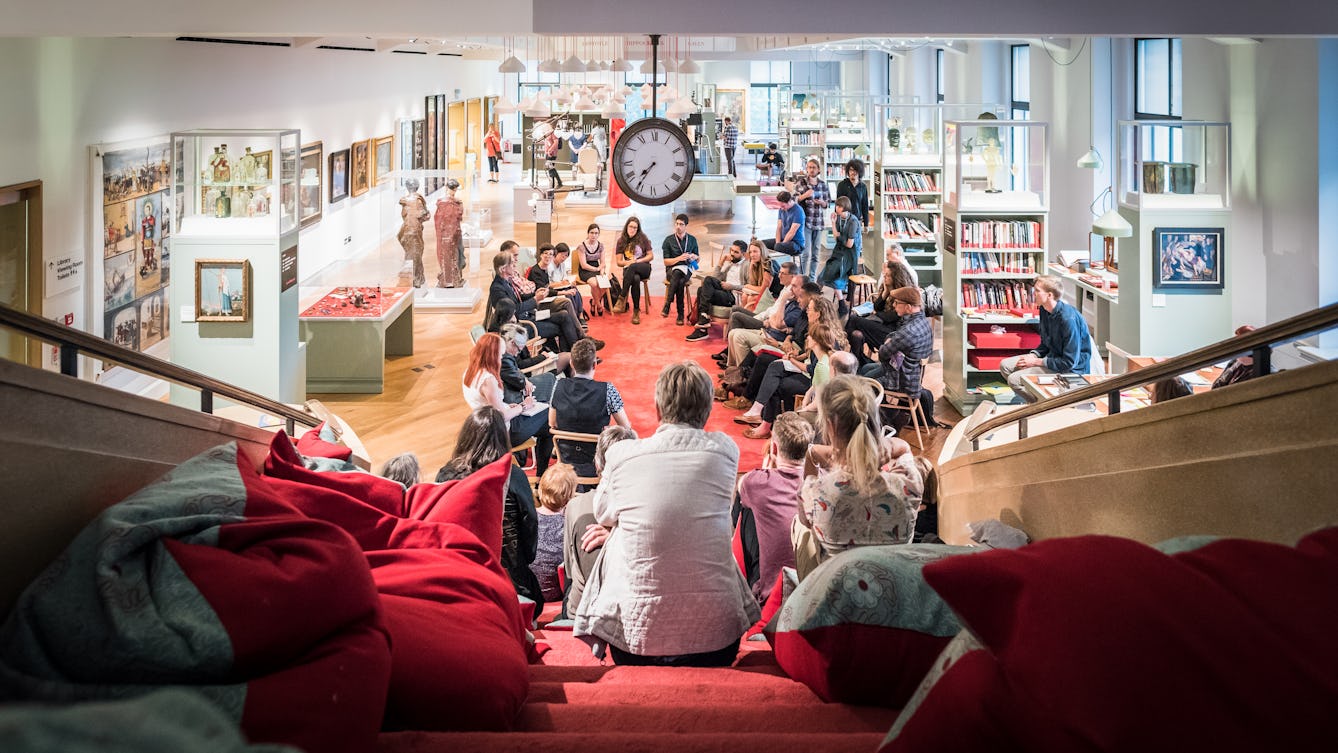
790	223
1066	346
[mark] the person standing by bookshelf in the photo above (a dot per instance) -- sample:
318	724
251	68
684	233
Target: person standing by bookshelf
811	190
855	189
1066	346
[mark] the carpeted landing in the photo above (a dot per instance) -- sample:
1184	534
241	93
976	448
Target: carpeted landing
577	705
636	353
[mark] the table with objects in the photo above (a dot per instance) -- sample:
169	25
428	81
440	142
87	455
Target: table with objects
349	332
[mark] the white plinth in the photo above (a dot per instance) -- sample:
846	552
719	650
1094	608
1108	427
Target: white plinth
612	221
445	299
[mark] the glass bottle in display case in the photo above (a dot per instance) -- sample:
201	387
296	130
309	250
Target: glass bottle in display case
1174	164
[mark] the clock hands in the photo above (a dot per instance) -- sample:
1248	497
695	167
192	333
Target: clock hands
643	176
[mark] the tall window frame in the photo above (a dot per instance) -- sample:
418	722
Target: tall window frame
764	105
1019	108
1159	95
938	75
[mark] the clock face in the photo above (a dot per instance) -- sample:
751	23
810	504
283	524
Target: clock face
653	161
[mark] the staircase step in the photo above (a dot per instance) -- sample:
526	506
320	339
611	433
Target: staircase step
594	741
668	686
568	673
774	718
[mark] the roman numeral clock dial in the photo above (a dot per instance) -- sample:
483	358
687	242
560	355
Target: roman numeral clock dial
653	161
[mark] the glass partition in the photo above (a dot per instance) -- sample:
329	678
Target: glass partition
1174	164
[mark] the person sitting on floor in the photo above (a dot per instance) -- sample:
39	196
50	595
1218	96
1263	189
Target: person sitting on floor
1066	345
719	289
482	440
848	500
583	405
680	258
555	491
772	493
402	468
482	387
582	536
899	366
668	591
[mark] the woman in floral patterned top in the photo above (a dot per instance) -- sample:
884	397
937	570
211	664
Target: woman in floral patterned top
864	489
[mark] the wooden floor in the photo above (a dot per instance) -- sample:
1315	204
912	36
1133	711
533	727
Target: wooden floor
422	408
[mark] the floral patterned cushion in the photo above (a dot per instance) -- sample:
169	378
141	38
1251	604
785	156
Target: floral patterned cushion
864	627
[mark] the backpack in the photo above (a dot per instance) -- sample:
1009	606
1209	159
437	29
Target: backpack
933	300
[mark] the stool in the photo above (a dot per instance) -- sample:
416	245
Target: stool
645	295
861	288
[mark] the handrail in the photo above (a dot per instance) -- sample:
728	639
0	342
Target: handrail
1260	341
73	342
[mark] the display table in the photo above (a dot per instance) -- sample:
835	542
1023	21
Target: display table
347	345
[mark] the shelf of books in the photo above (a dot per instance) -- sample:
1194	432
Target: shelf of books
912	212
803	133
995	234
848	134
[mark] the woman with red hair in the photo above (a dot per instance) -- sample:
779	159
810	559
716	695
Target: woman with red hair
482	385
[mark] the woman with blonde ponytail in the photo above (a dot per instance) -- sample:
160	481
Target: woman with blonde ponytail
864	489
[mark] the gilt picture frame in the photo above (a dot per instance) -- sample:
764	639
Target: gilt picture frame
222	290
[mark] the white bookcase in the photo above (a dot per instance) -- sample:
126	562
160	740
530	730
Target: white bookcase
995	235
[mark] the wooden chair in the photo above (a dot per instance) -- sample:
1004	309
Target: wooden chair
560	436
526	447
894	400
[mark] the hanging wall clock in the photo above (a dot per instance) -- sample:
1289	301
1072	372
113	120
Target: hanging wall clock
653	161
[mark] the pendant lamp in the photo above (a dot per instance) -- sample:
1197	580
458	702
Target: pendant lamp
1091	160
573	64
1111	226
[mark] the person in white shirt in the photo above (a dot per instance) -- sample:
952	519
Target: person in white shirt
719	289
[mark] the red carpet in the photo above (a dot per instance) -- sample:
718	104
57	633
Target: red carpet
577	705
636	353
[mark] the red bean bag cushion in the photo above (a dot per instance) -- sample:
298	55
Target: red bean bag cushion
864	627
284	462
1100	643
207	579
313	445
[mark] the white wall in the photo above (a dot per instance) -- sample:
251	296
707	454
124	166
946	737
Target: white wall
63	95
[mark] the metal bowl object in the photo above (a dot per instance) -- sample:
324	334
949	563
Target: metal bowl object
1154	177
1182	176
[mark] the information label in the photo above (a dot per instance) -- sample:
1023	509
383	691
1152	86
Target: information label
64	273
288	268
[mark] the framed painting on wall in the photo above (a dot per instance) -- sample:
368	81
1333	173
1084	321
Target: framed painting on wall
360	170
441	140
419	133
1188	258
732	104
430	136
309	183
338	176
222	290
383	158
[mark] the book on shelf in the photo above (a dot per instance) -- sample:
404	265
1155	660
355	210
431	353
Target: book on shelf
903	180
998	295
909	228
998	262
1000	234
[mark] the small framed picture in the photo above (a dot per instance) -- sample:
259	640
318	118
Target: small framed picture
360	174
383	158
222	290
1188	258
338	176
309	183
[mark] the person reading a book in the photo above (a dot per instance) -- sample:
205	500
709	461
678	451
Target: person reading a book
594	269
1066	345
583	404
525	416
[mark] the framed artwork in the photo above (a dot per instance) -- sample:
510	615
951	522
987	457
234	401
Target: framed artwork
732	104
404	144
440	158
1188	258
338	176
429	140
309	183
360	170
383	158
222	290
419	133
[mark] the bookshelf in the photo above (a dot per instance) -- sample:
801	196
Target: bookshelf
803	133
995	234
847	134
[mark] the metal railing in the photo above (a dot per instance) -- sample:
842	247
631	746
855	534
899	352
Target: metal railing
72	343
1259	344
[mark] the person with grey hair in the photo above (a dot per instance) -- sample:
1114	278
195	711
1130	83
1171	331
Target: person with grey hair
402	468
583	537
413	213
666	590
450	240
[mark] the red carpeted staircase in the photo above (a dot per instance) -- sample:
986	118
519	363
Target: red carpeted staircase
578	706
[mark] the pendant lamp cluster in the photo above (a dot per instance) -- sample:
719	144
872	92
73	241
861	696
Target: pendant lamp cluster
561	56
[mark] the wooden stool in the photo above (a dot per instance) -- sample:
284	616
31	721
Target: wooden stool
861	288
645	295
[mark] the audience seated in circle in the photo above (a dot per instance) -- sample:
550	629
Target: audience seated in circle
633	256
792	377
483	440
533	353
583	537
772	494
555	491
582	404
482	386
872	330
668	591
756	366
747	331
548	273
862	489
507	284
680	260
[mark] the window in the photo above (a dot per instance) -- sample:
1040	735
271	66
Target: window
1019	88
938	74
764	95
1159	95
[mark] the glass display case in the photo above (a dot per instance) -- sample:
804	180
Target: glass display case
996	165
802	134
1174	164
848	133
237	183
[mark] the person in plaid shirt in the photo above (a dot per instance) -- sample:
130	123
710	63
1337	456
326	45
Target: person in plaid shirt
730	136
898	366
811	189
